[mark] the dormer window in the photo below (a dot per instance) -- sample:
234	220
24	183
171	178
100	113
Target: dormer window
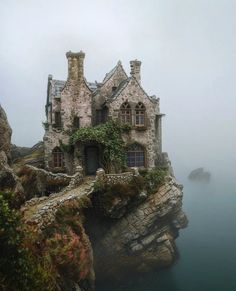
114	88
140	114
125	113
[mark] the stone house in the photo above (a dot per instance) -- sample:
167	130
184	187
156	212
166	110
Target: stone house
78	103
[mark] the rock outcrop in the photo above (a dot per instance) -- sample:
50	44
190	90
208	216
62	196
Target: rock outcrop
5	133
144	238
9	182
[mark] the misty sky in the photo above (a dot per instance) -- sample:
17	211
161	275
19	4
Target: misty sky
188	54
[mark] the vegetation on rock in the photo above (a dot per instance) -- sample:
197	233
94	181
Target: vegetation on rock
45	260
18	268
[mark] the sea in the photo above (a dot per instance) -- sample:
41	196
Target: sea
207	247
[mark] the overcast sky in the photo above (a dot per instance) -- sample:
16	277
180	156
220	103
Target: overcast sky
188	54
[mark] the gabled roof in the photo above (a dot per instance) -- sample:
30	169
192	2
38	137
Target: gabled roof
111	73
124	84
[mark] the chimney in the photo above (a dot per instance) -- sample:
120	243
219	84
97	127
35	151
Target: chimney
135	70
75	66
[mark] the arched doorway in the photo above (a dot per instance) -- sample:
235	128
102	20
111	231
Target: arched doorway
91	159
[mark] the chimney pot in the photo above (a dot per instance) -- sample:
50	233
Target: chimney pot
135	69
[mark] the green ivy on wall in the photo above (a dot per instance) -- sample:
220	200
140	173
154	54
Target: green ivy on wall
109	136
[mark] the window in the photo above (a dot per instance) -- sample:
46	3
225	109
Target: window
125	113
76	122
140	114
57	155
101	115
114	88
135	156
58	123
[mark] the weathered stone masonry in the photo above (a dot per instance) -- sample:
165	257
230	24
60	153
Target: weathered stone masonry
78	103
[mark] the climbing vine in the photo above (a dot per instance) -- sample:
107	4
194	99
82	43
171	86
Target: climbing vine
109	136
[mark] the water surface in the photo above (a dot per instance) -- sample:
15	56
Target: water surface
207	246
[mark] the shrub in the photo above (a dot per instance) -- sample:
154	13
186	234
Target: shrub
18	268
66	243
154	179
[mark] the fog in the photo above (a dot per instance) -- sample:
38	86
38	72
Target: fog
187	49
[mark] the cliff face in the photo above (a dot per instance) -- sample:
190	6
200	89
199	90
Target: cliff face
5	133
144	238
9	182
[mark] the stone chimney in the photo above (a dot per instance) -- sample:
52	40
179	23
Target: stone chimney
135	70
75	66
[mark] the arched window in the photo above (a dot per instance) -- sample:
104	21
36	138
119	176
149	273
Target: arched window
140	114
125	113
58	159
135	156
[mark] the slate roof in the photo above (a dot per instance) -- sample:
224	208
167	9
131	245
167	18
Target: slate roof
57	87
120	88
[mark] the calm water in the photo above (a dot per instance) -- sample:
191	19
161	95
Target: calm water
207	247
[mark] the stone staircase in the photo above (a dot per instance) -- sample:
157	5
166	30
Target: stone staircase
40	212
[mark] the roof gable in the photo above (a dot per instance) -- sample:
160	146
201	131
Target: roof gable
128	82
117	68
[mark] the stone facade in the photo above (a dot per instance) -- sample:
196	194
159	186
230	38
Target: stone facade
78	103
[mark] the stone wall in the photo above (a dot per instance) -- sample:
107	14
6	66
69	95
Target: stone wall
148	136
78	100
112	179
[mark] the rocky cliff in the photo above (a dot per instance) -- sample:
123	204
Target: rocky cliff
9	182
131	229
143	238
5	133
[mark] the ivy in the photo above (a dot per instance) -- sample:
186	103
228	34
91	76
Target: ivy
109	136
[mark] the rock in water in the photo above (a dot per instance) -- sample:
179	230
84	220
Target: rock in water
199	175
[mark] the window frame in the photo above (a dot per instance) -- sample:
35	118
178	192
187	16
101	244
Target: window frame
125	113
136	155
57	158
140	115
